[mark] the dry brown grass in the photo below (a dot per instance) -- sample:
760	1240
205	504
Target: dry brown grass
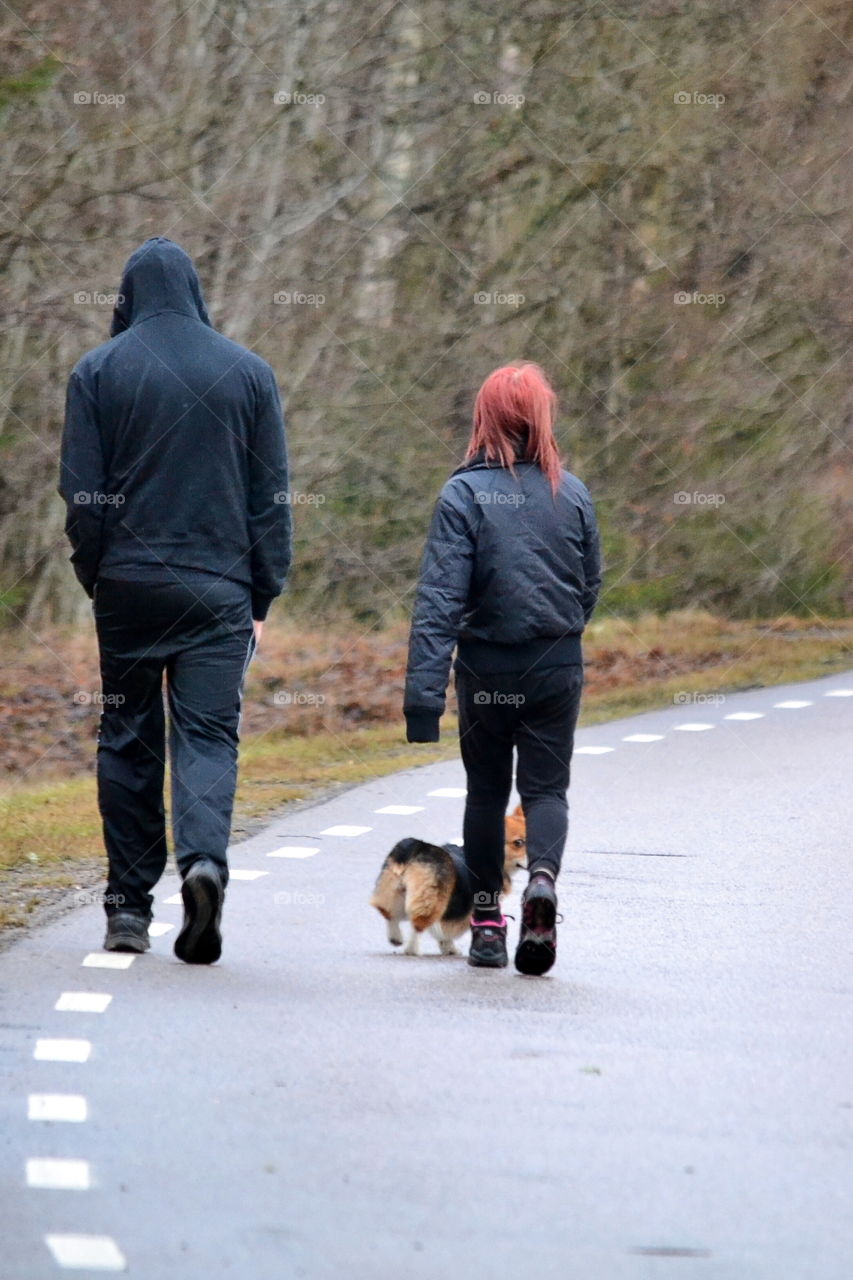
342	724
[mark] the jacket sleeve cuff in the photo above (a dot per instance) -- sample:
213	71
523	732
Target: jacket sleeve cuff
260	606
422	726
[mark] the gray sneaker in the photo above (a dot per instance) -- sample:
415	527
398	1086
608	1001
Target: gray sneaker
127	931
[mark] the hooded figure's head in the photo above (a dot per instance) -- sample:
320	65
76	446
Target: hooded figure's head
158	276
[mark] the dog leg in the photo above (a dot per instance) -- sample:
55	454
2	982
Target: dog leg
413	946
395	937
445	943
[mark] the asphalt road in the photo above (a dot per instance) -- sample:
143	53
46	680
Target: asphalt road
674	1101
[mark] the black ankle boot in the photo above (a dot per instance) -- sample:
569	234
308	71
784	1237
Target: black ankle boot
200	941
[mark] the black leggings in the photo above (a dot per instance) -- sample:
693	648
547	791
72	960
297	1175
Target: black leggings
535	712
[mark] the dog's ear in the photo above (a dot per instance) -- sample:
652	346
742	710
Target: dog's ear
518	812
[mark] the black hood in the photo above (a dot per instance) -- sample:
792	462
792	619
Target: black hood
158	276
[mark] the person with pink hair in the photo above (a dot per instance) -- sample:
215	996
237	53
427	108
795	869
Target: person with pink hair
510	577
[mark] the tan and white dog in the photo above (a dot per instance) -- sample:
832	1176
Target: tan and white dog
429	886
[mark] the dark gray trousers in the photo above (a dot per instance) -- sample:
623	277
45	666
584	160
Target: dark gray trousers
197	629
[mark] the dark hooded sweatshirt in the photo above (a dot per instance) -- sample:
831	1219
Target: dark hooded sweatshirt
173	453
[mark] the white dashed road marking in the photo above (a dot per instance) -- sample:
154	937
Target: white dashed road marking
345	830
86	1253
57	1106
100	1252
82	1002
108	960
62	1050
59	1175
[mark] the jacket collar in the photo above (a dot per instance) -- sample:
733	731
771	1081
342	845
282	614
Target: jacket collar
481	463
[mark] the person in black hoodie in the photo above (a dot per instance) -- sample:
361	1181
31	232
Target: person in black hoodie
510	577
174	473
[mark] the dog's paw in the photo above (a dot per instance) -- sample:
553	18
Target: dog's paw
396	942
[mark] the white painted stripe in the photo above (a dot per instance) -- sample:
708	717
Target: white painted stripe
793	704
448	793
157	930
86	1253
62	1050
839	693
57	1106
175	901
247	875
344	830
696	727
59	1174
644	737
108	960
294	851
82	1002
745	715
593	751
402	810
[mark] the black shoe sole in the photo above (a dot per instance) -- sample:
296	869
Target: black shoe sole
535	953
476	963
200	941
126	942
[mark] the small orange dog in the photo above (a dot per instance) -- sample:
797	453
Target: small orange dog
429	885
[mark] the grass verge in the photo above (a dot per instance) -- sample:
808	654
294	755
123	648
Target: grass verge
51	837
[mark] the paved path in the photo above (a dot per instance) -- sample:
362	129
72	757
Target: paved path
674	1101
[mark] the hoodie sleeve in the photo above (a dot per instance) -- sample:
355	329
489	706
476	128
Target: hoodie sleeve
591	559
82	480
440	602
270	523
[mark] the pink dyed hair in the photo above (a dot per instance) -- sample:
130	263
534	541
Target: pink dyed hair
516	406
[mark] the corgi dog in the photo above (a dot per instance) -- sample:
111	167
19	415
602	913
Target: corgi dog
429	886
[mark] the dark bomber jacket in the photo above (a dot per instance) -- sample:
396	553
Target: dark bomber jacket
510	575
